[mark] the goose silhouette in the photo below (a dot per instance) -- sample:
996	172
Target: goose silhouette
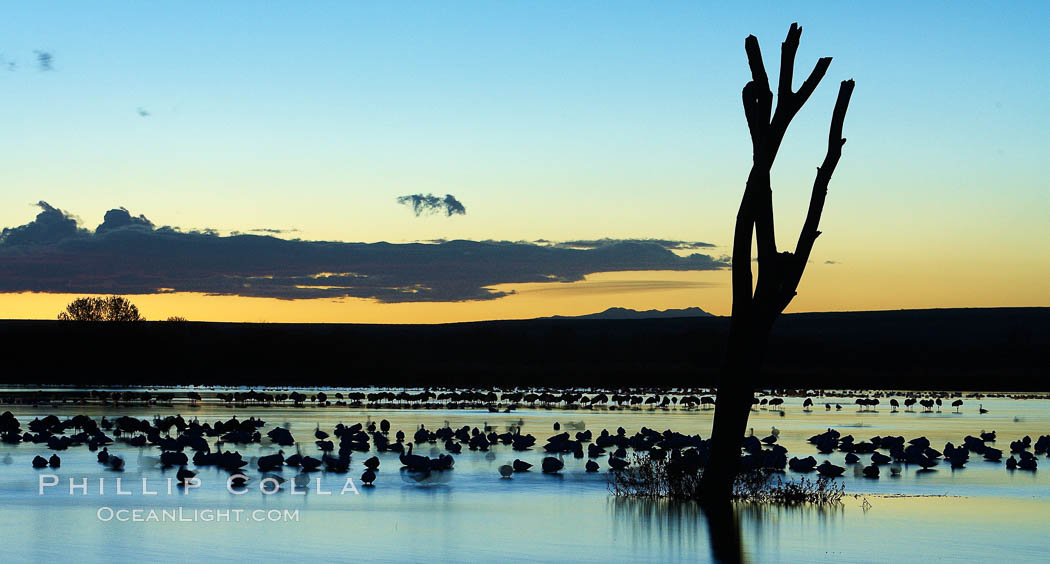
184	474
338	465
309	464
802	465
552	465
830	470
271	462
414	461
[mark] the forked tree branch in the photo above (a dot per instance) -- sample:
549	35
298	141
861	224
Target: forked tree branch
809	233
758	192
811	83
787	61
778	273
758	99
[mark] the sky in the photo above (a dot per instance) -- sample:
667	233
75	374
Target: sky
548	121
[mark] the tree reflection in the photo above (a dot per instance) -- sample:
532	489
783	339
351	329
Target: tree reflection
723	530
675	529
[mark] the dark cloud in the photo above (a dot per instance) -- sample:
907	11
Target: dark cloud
127	255
429	203
50	226
121	218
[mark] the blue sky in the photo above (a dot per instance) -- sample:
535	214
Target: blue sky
552	120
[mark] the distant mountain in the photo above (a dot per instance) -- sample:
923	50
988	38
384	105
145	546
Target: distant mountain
624	313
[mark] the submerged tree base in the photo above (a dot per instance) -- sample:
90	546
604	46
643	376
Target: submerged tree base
651	478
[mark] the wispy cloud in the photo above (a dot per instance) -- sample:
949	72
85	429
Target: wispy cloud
44	60
428	203
272	231
671	245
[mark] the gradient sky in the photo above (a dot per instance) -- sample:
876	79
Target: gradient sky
553	120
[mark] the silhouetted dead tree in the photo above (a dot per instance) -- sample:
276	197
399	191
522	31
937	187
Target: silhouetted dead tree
755	307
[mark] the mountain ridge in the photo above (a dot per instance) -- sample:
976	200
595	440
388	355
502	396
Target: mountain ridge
627	313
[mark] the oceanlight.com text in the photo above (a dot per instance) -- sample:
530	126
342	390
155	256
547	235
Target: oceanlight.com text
184	515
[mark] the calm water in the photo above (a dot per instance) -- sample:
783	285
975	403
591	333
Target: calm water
979	512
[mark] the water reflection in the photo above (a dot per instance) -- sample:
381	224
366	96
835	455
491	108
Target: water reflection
676	530
679	529
425	479
571	512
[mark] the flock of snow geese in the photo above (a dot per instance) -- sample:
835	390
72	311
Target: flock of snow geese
174	437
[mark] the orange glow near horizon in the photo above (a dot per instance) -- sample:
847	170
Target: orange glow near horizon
835	287
635	290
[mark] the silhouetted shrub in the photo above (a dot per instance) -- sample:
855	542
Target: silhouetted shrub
110	308
647	477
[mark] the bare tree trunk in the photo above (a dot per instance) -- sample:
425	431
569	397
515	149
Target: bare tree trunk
755	307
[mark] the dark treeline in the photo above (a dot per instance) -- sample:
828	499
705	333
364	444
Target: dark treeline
954	349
